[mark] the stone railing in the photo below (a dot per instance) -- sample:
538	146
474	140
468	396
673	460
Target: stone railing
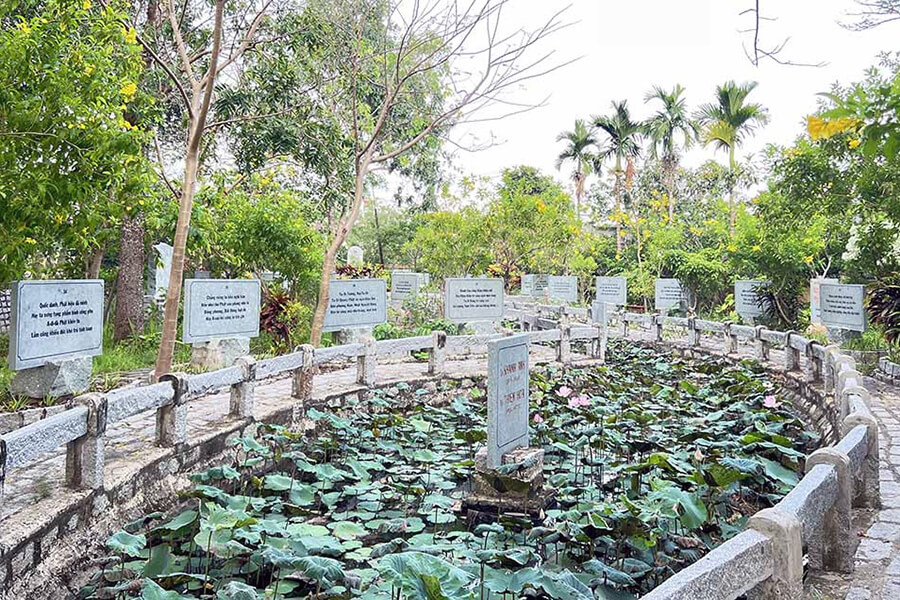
887	371
814	517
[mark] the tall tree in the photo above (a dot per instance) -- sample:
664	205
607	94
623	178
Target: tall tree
192	56
623	143
727	122
668	124
390	79
579	144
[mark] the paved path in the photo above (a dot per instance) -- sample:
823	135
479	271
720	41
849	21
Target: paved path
877	575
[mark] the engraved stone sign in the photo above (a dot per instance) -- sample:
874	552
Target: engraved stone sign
356	303
405	284
507	397
536	284
355	256
842	306
613	290
527	284
54	320
669	293
216	309
473	299
746	297
815	312
162	269
563	287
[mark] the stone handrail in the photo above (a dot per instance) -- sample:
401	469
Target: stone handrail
814	516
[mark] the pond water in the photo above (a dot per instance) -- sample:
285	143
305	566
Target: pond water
653	459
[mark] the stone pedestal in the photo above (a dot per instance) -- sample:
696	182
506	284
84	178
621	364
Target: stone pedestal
55	379
353	335
512	489
218	354
482	327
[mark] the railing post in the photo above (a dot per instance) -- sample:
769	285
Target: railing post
844	398
813	370
868	492
624	325
783	529
564	350
731	342
241	404
84	456
302	382
829	372
602	339
656	324
171	419
839	535
761	345
365	363
693	332
791	356
437	355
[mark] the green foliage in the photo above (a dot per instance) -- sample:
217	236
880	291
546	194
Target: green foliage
71	161
883	306
451	244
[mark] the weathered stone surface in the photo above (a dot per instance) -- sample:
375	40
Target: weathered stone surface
888	532
526	482
873	550
217	354
507	403
858	594
55	379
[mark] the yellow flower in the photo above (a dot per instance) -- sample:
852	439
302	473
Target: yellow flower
24	27
808	260
86	5
854	143
62	26
29	240
88	69
821	129
128	91
541	206
757	248
131	35
732	248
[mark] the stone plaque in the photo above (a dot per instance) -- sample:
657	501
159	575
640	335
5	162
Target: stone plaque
473	299
842	306
600	310
527	284
405	284
563	287
669	293
815	312
356	303
355	256
507	397
746	297
162	269
55	320
216	309
613	290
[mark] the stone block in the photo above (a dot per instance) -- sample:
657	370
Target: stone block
54	379
526	482
787	553
217	354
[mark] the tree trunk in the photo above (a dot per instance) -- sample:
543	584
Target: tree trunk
92	269
344	226
617	192
378	234
732	209
173	293
129	318
670	188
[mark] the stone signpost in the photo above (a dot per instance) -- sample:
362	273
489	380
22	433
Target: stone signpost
535	284
355	256
475	301
815	315
220	317
405	284
669	294
57	326
162	269
612	290
746	297
841	306
563	287
354	303
519	486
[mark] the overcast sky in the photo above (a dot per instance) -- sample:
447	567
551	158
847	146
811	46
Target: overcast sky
627	46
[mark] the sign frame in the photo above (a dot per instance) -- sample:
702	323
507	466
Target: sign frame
188	334
516	348
859	293
381	311
457	317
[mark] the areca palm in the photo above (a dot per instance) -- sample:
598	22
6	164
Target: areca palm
579	143
730	120
665	128
624	144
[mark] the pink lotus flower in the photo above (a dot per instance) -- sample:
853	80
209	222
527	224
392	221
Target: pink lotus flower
580	400
564	392
537	418
771	402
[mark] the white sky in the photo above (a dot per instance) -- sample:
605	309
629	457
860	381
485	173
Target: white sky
629	45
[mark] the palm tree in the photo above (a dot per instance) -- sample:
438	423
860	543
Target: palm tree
624	143
578	150
664	129
727	122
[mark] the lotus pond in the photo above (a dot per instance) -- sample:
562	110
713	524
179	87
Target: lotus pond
654	460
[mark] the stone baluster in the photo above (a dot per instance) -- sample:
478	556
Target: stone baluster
171	419
365	363
791	355
784	531
838	524
302	382
437	354
656	323
812	371
868	492
84	456
564	350
761	345
241	402
693	332
731	339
